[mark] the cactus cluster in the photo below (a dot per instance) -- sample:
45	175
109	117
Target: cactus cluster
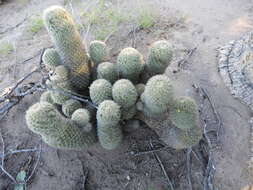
117	93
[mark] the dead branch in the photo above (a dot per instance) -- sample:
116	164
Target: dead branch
11	152
85	178
134	37
13	27
148	151
36	164
210	168
2	161
40	52
189	53
72	96
162	167
108	37
13	95
188	166
205	95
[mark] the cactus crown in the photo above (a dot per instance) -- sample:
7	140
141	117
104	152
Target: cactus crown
100	90
98	52
160	55
130	64
108	113
124	93
107	71
158	94
51	58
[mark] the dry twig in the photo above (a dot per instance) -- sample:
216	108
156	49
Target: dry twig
162	167
188	165
182	61
2	161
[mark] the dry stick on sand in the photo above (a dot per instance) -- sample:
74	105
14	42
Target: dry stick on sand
14	94
210	168
188	166
13	27
182	61
2	160
162	167
4	155
148	151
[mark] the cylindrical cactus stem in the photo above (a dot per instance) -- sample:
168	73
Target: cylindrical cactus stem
158	95
81	116
108	129
98	52
68	44
51	58
184	113
107	71
70	106
100	90
46	97
159	57
124	93
130	64
60	84
57	131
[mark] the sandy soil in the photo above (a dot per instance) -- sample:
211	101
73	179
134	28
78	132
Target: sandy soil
206	25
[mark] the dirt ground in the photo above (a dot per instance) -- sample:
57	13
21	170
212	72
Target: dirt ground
187	24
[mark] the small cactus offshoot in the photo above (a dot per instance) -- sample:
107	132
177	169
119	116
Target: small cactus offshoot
70	106
158	94
107	71
159	57
51	58
98	52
